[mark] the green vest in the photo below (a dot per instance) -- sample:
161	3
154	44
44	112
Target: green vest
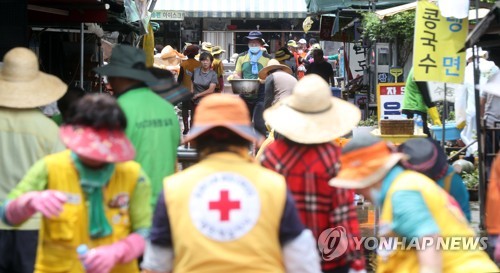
413	99
153	128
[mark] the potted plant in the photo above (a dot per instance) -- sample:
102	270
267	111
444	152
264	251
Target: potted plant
366	126
471	181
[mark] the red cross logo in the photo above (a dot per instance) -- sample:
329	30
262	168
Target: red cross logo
224	205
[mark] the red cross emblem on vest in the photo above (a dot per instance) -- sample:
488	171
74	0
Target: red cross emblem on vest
224	205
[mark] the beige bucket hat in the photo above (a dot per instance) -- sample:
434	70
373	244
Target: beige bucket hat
311	115
23	85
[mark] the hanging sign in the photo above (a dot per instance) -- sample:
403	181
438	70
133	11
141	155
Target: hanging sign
437	42
167	15
390	100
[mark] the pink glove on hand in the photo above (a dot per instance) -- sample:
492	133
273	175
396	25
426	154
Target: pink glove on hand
102	259
496	255
49	203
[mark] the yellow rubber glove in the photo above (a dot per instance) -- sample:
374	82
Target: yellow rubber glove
461	125
434	114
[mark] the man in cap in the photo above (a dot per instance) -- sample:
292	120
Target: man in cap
248	66
153	126
427	157
26	136
308	121
302	51
416	214
226	210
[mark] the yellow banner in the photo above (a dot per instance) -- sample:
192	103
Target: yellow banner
437	42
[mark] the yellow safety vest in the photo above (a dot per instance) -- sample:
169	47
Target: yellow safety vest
451	223
225	215
60	236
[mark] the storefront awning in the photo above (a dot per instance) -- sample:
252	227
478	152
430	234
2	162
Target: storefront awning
236	8
325	6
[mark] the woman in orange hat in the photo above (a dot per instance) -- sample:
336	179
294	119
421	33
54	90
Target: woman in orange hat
91	194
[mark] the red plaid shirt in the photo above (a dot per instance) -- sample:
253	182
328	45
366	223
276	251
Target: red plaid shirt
307	169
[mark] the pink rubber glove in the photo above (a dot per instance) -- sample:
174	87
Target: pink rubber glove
49	203
357	266
497	250
102	259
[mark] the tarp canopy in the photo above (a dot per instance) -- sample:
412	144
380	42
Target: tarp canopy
486	33
237	8
323	6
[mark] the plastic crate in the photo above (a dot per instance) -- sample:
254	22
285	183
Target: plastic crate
451	132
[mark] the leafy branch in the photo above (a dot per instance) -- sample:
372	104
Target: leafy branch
398	29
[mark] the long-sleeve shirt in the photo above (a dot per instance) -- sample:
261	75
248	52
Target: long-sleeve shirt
307	170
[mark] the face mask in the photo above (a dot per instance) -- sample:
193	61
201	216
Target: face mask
254	49
375	196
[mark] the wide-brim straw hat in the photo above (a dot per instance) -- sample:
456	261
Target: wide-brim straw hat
273	64
292	43
365	160
217	50
282	55
103	145
207	46
223	110
311	115
23	85
127	62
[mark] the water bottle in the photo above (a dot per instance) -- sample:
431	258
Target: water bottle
420	125
82	250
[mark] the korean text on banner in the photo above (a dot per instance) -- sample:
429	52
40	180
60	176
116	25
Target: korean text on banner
436	45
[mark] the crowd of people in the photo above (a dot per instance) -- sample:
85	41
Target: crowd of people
103	190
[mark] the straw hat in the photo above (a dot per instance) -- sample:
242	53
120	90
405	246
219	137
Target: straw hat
292	43
217	50
23	85
272	65
311	115
223	110
127	62
282	55
207	46
365	160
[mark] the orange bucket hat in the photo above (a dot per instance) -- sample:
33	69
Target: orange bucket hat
365	160
223	110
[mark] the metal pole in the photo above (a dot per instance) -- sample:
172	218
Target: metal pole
445	105
82	36
480	145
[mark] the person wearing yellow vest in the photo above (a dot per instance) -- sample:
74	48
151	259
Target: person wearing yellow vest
227	213
427	157
413	209
91	194
218	67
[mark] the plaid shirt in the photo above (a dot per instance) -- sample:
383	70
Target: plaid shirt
307	169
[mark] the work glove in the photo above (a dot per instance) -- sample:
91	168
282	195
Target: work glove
102	259
461	125
49	203
434	114
357	266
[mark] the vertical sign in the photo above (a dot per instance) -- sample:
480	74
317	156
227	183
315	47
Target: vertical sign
390	100
437	42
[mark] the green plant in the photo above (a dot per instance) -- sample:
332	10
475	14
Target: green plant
471	180
398	29
370	121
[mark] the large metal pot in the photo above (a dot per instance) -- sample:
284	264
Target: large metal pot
245	87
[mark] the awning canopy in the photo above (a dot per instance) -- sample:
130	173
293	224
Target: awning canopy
236	8
324	6
486	33
381	14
